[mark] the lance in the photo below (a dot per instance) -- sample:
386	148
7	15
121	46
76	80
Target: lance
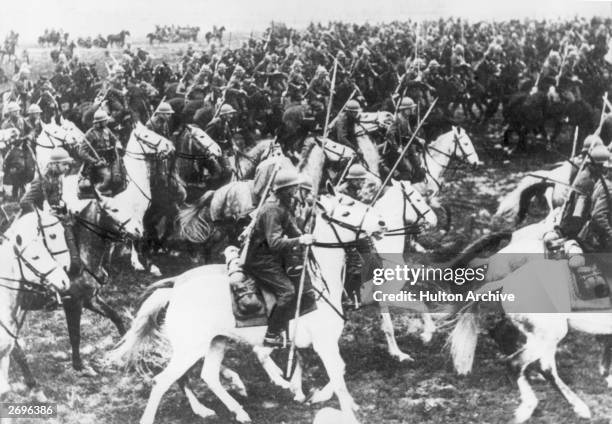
404	151
296	318
249	232
605	105
331	98
575	142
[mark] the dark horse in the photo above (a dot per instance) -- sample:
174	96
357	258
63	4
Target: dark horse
117	39
94	231
19	168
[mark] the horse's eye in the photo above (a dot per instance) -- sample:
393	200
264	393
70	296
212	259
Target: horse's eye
53	236
114	210
345	214
35	258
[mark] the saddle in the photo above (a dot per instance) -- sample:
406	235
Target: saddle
251	304
589	289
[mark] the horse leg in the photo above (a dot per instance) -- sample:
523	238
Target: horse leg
548	367
74	309
234	381
134	259
328	351
179	364
20	358
196	405
429	328
270	367
387	327
100	307
296	383
210	375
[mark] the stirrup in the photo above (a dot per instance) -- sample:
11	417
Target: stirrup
275	340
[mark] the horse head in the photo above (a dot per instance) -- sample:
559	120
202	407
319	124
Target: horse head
33	260
464	148
54	237
417	210
346	219
117	219
334	152
204	141
146	143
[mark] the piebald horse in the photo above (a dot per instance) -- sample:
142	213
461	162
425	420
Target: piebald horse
339	221
537	321
27	266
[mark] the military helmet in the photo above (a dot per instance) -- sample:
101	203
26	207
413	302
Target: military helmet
34	108
355	172
59	155
100	116
286	178
407	103
353	106
164	107
599	153
433	63
306	184
12	107
458	48
226	109
321	70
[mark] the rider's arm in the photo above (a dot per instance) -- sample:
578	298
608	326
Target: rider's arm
86	154
34	197
600	215
274	232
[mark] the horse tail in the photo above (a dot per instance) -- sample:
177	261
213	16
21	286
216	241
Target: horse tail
143	343
193	221
527	194
463	339
166	283
485	242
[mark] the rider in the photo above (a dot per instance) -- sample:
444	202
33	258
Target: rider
398	134
49	187
99	154
13	119
296	124
275	235
358	186
33	123
159	121
345	126
220	128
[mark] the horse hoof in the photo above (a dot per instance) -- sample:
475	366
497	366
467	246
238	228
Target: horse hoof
243	417
523	413
299	397
403	357
154	270
582	411
319	396
87	371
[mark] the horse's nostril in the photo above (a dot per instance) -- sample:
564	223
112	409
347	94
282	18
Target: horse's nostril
382	223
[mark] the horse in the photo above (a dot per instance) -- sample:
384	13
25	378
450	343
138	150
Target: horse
19	167
117	39
197	153
338	221
539	334
455	144
28	267
66	136
138	100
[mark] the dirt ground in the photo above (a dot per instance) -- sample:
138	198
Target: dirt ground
425	391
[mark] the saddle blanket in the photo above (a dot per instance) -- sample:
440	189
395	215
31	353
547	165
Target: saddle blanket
232	201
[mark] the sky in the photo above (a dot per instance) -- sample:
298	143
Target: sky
90	17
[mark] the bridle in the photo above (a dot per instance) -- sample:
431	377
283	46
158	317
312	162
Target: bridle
42	228
412	228
335	222
195	156
458	152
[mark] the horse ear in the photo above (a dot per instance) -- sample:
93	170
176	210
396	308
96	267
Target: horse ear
330	188
18	240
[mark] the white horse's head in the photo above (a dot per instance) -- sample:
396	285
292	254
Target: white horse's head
7	136
124	221
144	143
32	258
66	135
416	208
54	237
347	218
463	147
205	142
335	152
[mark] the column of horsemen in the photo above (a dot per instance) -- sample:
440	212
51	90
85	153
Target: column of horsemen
293	84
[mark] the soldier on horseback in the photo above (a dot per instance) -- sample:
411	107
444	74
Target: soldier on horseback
345	125
48	187
318	92
221	128
33	123
159	121
275	236
398	134
13	119
99	152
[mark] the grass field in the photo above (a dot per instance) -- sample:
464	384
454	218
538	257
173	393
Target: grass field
426	391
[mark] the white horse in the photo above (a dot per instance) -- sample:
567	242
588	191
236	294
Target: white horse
455	144
538	286
339	221
26	264
401	207
66	136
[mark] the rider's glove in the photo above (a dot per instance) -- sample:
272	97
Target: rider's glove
307	239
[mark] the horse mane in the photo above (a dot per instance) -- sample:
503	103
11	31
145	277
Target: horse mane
193	220
312	162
